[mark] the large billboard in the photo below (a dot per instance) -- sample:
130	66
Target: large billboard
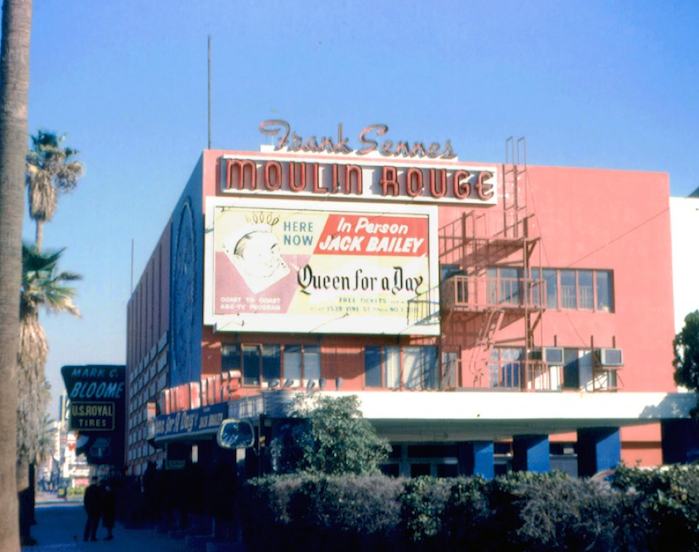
319	267
97	412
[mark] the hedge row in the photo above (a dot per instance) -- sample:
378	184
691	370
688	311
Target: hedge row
639	511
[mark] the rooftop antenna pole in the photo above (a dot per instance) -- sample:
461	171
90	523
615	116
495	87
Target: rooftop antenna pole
132	246
209	96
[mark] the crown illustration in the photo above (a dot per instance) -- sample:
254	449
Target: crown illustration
254	222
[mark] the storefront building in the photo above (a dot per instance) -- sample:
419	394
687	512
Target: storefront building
489	316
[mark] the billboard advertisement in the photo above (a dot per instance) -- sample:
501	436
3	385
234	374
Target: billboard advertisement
319	267
97	410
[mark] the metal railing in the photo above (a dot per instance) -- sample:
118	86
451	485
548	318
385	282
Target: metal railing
476	293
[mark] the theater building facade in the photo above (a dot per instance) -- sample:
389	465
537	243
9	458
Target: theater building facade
490	317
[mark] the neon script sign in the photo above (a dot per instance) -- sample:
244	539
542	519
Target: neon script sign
369	138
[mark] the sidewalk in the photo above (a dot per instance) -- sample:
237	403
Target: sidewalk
60	527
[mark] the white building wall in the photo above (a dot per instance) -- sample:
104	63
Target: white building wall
684	215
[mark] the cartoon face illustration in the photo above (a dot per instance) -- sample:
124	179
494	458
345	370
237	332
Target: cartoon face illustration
259	254
256	254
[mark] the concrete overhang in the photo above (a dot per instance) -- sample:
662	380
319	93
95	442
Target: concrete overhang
496	415
425	416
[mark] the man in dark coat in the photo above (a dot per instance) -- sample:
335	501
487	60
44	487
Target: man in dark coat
108	510
93	507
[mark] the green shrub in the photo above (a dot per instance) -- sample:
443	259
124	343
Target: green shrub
423	502
640	511
466	516
561	513
665	502
319	513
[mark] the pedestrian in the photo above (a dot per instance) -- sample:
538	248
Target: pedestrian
93	507
108	510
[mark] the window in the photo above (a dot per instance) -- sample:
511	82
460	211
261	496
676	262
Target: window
420	367
230	357
586	299
301	363
604	290
551	279
459	289
574	289
577	370
262	365
569	296
571	369
382	367
503	285
505	367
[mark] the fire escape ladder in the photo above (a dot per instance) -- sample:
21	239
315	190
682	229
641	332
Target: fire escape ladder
480	353
484	243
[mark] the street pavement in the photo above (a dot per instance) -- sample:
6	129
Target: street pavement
60	527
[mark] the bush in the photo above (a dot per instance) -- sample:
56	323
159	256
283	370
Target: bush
640	511
568	514
665	502
423	502
319	513
466	516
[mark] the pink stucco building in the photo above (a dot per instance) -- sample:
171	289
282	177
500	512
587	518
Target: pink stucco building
490	317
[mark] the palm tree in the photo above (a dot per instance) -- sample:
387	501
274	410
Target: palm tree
51	171
46	440
14	98
42	287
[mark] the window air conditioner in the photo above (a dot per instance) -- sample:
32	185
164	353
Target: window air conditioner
553	356
610	357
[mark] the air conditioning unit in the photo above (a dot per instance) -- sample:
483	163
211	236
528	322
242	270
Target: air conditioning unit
553	356
609	357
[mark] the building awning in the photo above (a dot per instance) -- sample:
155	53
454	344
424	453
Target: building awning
192	424
425	416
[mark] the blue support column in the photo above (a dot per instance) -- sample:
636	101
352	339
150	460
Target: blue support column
598	449
477	458
680	440
531	453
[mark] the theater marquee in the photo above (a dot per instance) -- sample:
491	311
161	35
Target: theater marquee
371	178
312	267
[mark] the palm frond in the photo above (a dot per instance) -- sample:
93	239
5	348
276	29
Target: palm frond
42	286
51	170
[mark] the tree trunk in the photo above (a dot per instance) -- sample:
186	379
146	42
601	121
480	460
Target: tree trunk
14	93
39	234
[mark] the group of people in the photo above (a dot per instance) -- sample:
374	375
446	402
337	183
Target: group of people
100	503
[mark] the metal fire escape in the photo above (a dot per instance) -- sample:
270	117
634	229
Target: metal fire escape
496	250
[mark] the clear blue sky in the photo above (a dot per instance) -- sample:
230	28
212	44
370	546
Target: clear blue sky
589	84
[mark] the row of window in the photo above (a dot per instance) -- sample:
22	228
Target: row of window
506	364
391	367
263	365
399	367
576	289
560	289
